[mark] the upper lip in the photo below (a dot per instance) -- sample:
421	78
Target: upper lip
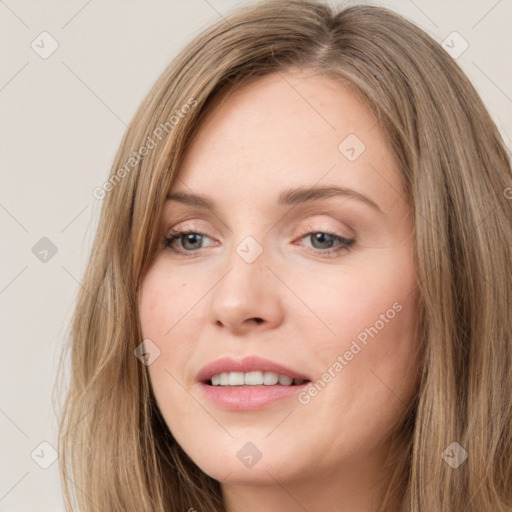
247	364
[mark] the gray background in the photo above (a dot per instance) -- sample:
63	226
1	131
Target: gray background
62	119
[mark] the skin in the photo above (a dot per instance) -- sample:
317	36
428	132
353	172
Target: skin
279	132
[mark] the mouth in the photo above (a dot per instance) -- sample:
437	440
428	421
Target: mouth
249	384
249	371
255	378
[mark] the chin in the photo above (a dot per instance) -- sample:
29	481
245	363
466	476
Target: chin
247	462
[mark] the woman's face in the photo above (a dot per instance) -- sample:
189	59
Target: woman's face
304	259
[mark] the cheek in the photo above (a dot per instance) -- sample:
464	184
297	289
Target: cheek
163	305
166	302
350	302
367	372
369	321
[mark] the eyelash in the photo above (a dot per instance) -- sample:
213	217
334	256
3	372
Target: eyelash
345	243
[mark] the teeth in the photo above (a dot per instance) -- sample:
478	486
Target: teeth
270	378
236	379
284	380
256	378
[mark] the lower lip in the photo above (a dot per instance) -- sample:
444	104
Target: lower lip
249	398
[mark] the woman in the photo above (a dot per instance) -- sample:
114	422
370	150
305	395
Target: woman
298	297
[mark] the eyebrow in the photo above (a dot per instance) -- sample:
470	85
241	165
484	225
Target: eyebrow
289	197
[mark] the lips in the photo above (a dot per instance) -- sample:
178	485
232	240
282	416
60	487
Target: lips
247	364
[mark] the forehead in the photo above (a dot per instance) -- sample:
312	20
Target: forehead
286	130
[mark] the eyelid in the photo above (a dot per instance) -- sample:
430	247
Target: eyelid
311	223
190	225
311	228
321	225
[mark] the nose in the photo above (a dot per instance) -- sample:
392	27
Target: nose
247	296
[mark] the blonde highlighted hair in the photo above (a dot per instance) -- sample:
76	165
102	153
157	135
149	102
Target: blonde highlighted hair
115	450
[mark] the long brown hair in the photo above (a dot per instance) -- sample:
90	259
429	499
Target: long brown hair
116	452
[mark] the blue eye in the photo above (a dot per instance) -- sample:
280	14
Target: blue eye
194	238
324	242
